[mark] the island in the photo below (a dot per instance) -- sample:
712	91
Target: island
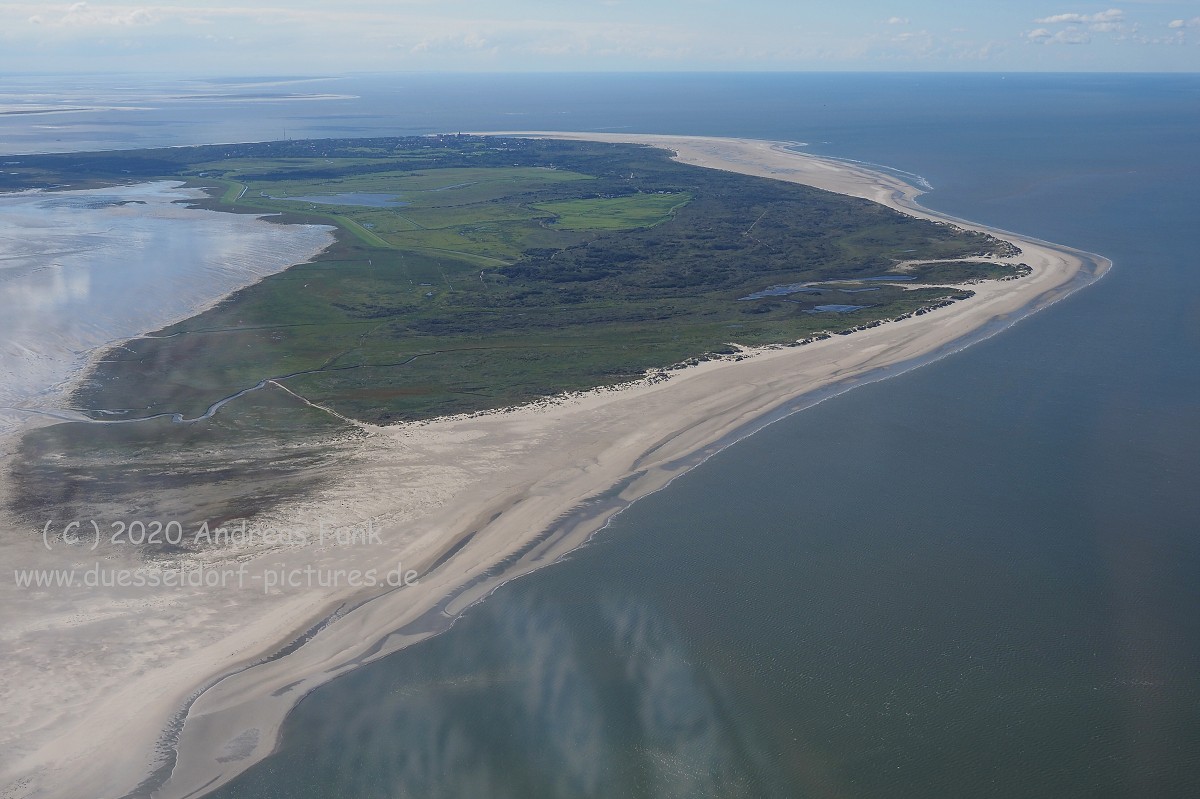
510	339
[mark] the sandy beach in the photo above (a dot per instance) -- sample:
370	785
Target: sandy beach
191	683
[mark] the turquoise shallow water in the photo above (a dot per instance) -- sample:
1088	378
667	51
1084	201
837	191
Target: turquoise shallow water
978	578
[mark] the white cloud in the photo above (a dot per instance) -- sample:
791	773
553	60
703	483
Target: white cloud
469	41
1067	36
319	35
1112	15
83	15
1077	27
1176	24
193	12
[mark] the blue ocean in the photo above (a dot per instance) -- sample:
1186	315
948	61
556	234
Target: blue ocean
980	578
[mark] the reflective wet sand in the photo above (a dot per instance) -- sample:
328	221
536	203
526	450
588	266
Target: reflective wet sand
83	270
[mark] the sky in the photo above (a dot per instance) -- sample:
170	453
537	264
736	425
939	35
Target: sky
307	37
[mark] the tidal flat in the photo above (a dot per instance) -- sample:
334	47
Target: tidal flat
84	270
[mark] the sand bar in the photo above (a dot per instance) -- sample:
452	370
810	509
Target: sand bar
202	678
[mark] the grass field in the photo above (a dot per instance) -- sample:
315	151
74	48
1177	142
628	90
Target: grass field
517	269
514	269
614	213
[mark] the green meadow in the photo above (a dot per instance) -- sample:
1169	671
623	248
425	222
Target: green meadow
503	270
615	213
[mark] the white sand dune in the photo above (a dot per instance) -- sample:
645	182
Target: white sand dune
138	664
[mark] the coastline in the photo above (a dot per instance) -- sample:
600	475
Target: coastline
148	308
520	487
